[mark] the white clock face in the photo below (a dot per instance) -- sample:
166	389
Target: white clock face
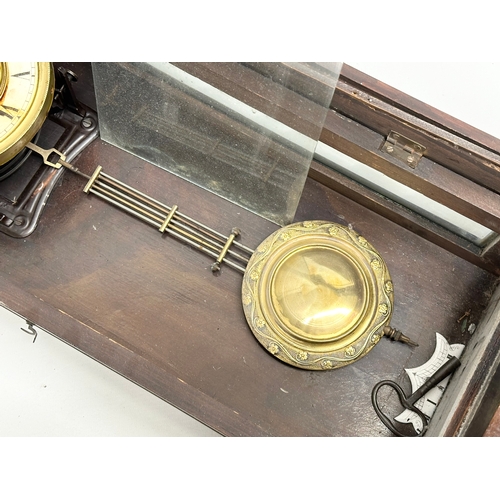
26	92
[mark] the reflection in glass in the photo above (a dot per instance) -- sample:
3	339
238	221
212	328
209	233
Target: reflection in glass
406	196
257	158
320	293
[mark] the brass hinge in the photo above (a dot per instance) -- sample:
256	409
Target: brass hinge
404	149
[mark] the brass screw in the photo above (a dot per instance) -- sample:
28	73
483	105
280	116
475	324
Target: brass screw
465	314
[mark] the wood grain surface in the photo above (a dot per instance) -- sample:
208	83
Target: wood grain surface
149	308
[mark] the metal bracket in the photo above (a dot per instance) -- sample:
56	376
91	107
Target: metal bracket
19	216
404	149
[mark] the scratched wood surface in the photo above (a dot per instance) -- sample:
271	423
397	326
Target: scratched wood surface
148	307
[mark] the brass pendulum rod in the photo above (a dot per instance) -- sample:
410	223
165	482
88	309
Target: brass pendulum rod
166	219
170	220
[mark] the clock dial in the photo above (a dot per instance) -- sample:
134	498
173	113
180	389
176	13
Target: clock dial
26	93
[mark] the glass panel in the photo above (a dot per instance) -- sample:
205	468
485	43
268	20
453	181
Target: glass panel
257	158
381	183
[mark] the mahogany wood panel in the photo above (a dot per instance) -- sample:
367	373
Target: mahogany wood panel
149	308
429	178
449	142
418	108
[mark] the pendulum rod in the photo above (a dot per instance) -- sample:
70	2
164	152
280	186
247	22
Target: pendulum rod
170	220
166	219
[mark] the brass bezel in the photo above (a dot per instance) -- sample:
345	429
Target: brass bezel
4	78
275	332
28	122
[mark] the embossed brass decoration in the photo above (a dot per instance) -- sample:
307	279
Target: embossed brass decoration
317	295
